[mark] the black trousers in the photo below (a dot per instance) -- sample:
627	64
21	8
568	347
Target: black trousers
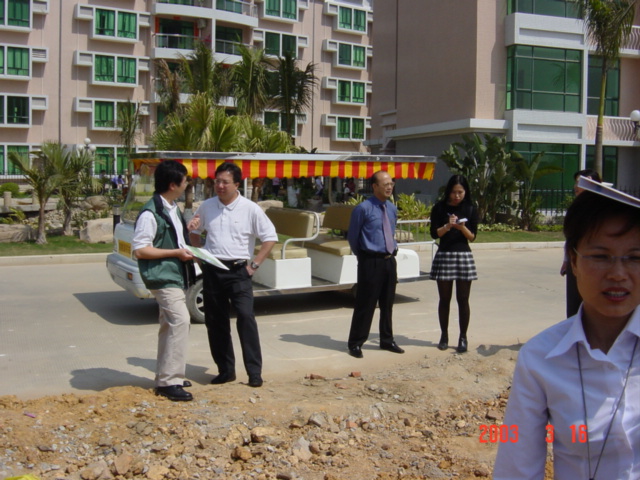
221	290
377	279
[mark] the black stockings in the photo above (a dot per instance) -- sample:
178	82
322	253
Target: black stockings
463	291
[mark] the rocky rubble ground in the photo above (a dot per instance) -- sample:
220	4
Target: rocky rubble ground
418	421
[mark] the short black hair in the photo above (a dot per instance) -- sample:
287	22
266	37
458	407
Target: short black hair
232	168
457	180
589	211
168	172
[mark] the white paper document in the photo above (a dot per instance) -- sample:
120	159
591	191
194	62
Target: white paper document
202	254
602	189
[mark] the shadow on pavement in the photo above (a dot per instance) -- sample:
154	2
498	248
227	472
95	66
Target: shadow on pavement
197	374
493	349
120	308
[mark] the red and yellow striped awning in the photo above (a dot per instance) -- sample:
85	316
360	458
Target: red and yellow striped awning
257	166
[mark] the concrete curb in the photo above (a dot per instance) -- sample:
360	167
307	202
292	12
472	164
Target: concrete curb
67	259
71	259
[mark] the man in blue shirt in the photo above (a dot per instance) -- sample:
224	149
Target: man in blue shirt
371	237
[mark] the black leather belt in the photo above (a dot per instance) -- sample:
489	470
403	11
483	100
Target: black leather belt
378	254
233	264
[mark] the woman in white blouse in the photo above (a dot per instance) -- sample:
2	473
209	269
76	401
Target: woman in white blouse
577	384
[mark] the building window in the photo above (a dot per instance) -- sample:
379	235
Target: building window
228	40
18	12
351	55
104	160
609	162
282	9
18	61
351	92
229	6
612	94
127	25
352	19
105	69
350	128
105	24
555	8
23	151
564	156
104	115
540	78
278	121
126	70
175	34
17	110
278	44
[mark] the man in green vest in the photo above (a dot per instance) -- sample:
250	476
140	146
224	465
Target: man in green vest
166	267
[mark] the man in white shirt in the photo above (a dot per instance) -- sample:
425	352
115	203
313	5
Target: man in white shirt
233	223
166	267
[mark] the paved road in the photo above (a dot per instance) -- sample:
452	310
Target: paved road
69	328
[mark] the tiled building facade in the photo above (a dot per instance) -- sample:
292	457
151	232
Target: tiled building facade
519	68
68	67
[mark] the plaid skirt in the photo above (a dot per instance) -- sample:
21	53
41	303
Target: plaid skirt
453	266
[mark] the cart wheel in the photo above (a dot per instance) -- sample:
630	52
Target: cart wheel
195	302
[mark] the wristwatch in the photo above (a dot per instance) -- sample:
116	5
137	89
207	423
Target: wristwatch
255	265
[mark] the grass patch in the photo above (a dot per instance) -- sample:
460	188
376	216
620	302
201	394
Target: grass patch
56	245
519	236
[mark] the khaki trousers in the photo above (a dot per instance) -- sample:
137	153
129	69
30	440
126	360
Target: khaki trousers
173	336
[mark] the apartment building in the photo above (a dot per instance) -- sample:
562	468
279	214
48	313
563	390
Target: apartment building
520	68
69	68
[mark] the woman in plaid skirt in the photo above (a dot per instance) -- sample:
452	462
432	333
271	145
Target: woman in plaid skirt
454	220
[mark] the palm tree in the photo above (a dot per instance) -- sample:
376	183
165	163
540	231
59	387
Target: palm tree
129	124
43	178
202	74
609	24
168	87
294	89
250	81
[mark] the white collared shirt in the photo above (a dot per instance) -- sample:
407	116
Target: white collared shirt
546	389
232	229
146	226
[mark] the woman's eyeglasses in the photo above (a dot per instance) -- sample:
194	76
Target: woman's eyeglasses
603	261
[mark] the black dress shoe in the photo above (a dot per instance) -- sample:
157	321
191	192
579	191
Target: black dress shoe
462	345
255	381
392	347
174	393
223	378
355	351
444	343
186	384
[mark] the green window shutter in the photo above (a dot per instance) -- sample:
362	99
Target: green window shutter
21	150
272	43
344	127
122	160
104	68
344	18
2	160
273	8
18	61
344	91
18	13
2	52
2	19
358	92
18	110
360	20
105	22
359	56
594	81
289	44
103	114
290	9
358	128
103	160
126	70
127	25
344	54
2	99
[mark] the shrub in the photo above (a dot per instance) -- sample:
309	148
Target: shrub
410	208
10	187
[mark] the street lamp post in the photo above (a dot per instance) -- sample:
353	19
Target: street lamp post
635	118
